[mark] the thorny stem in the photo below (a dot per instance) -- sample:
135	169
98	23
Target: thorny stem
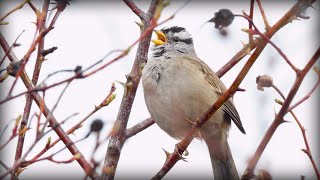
305	97
76	126
296	9
80	74
32	48
47	113
303	130
11	47
14	9
139	127
263	15
248	174
181	147
251	17
135	9
270	42
118	135
41	26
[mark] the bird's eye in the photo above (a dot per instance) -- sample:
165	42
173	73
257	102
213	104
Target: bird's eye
175	39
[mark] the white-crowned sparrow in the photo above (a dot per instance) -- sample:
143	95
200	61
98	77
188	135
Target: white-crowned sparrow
179	88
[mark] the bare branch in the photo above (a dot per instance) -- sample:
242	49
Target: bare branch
53	122
139	127
135	9
248	174
41	26
14	9
182	145
307	96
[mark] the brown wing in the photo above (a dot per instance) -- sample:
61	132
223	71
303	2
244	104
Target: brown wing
228	107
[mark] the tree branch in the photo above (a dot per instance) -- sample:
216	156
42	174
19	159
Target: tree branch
248	174
182	145
47	113
139	127
118	135
41	26
135	9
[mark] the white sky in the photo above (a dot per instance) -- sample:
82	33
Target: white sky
86	32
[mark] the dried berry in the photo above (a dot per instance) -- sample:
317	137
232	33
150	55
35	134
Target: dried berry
96	125
222	18
264	81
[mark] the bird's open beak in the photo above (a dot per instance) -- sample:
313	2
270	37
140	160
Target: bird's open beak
161	38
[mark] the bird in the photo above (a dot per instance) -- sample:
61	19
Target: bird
179	88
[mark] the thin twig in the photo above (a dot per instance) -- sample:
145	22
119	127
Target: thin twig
307	96
32	48
135	9
180	147
14	9
4	165
78	125
41	26
303	132
13	45
118	138
248	174
53	122
257	31
263	15
251	17
139	127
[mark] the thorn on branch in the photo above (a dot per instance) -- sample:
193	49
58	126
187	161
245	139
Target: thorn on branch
303	16
140	24
167	154
305	151
284	121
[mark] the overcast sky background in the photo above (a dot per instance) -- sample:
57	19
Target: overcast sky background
85	32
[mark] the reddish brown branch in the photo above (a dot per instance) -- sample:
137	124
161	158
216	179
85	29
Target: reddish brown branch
257	31
296	9
303	132
32	48
248	174
139	127
263	15
41	26
307	96
181	147
118	135
53	122
251	17
14	9
104	103
135	9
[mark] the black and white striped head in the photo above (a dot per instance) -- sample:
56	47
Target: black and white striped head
173	41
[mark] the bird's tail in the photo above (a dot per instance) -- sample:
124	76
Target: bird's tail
222	162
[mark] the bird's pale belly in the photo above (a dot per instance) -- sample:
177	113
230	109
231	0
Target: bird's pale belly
175	101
